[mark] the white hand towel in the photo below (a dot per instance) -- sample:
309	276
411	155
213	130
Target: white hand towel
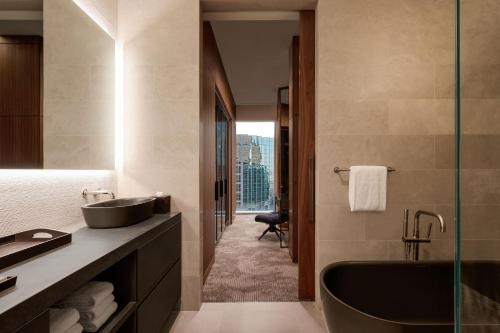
90	313
77	328
62	319
95	324
89	295
367	188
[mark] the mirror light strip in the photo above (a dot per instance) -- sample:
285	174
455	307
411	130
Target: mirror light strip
118	106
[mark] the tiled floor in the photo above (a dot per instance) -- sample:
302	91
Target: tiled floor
285	317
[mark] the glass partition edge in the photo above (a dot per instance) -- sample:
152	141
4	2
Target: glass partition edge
457	171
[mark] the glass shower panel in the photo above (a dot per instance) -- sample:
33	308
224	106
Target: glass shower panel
480	165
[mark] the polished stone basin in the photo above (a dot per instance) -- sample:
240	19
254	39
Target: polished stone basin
117	213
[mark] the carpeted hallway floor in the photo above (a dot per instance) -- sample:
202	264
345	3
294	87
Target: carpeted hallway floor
249	270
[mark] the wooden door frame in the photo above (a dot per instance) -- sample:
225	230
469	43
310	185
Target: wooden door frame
306	157
292	147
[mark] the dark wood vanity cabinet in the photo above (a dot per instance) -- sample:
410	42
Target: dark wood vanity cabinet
142	261
159	281
156	258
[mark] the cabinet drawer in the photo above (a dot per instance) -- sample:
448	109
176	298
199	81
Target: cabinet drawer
155	259
155	311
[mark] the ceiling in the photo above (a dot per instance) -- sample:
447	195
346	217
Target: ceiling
17	23
255	56
35	5
251	5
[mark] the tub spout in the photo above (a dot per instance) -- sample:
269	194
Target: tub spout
416	230
438	217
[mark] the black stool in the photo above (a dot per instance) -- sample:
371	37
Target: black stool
272	219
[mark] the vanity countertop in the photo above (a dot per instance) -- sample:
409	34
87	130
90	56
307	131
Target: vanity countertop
44	280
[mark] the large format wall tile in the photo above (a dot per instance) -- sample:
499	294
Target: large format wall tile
345	250
341	224
359	117
480	116
67	152
421	117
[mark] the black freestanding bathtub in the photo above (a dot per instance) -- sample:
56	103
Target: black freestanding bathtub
409	297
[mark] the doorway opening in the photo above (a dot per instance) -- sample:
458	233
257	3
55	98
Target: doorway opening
260	100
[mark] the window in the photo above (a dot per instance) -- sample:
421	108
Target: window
254	166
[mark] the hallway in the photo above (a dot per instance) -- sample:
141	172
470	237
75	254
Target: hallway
249	270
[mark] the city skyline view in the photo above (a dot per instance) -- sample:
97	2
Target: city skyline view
254	168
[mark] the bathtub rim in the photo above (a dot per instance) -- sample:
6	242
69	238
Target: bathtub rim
373	262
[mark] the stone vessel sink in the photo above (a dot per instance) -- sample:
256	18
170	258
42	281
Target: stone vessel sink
117	213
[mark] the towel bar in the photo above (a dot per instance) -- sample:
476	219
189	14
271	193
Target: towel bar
339	169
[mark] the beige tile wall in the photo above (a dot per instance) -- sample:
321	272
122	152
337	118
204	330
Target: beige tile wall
78	123
481	129
162	116
384	97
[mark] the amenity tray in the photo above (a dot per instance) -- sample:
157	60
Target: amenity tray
7	282
28	244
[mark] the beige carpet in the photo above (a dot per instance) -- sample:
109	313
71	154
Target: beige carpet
249	270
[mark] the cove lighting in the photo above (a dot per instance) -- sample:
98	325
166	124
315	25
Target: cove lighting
89	8
118	106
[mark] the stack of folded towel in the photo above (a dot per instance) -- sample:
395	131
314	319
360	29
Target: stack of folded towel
64	321
94	302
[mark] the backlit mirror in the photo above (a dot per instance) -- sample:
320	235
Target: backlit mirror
56	87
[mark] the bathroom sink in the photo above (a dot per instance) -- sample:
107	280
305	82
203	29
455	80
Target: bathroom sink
117	213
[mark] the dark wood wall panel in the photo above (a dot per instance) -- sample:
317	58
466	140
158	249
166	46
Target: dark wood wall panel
20	142
305	158
214	81
21	134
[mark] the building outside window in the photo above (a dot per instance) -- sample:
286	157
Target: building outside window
254	166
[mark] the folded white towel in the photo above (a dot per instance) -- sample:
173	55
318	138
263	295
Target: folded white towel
62	319
89	295
77	328
90	313
367	188
95	324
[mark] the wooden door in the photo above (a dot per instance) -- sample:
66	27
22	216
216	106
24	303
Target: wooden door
21	143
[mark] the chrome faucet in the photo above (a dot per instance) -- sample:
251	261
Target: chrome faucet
86	193
412	244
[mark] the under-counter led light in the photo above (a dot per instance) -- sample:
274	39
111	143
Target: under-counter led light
41	173
118	106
